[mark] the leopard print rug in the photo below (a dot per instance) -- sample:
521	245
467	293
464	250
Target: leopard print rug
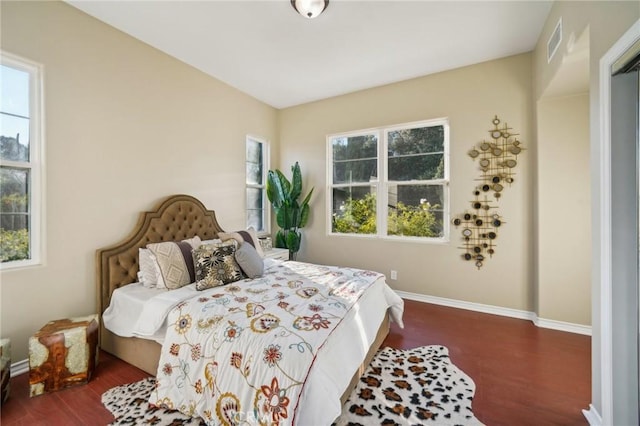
400	387
129	406
411	387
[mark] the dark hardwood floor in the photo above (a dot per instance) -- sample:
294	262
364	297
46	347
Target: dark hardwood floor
79	405
524	375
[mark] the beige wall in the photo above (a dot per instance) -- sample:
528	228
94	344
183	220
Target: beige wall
469	97
606	22
564	211
126	125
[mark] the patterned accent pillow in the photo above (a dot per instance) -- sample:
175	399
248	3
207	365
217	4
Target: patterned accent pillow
175	262
215	266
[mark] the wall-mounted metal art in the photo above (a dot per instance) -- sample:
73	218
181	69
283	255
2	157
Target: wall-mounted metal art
497	158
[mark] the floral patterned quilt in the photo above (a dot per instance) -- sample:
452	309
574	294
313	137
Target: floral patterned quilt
241	353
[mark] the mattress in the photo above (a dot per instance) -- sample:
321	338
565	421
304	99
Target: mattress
131	304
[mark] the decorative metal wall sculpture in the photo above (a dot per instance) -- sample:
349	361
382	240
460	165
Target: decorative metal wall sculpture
497	158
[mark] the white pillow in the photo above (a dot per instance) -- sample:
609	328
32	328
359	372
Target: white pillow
149	274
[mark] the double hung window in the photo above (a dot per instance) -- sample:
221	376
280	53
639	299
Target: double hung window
20	162
390	182
257	164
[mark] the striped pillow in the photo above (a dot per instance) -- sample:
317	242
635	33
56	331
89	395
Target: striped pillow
250	236
175	262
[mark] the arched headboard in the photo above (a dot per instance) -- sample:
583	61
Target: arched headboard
176	218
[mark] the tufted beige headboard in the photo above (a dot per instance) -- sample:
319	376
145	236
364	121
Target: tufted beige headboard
176	218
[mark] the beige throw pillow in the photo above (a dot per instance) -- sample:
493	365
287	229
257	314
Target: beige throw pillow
175	262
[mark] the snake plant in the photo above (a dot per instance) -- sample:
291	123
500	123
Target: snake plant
291	215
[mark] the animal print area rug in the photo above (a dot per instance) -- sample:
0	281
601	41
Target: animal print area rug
400	387
411	387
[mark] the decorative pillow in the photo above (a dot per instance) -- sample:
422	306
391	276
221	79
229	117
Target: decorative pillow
175	262
219	243
249	260
215	241
249	236
215	266
194	242
149	274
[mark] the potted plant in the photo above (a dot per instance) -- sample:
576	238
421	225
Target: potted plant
291	215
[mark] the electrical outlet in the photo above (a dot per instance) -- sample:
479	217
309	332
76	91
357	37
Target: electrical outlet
394	275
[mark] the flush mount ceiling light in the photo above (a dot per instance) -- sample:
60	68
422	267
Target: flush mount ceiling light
310	8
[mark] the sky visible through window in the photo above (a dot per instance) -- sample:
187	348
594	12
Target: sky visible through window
16	184
14	103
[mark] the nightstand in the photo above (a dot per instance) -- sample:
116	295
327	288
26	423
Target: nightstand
277	254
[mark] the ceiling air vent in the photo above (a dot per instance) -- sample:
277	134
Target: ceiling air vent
554	41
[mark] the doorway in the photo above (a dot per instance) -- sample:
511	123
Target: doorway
616	247
625	103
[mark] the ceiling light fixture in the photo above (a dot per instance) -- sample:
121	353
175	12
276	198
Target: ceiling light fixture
310	8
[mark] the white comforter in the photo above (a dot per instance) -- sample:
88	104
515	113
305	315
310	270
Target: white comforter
336	359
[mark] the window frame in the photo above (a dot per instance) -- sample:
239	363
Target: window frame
36	163
266	208
382	183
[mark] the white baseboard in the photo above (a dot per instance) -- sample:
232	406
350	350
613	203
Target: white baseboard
19	367
563	326
592	416
498	310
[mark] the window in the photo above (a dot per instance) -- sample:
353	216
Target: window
20	162
390	182
257	164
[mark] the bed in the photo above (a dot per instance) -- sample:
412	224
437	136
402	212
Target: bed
353	341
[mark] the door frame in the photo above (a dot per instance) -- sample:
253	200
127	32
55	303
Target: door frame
603	285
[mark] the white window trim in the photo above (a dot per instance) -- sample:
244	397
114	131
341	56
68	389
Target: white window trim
265	168
36	164
382	184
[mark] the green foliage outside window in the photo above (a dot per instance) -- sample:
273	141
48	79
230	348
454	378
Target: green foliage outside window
14	245
412	221
359	217
14	236
13	202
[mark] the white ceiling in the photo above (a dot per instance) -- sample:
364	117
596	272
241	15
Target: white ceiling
265	49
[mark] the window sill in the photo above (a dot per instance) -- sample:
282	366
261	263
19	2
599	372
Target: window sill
19	265
413	240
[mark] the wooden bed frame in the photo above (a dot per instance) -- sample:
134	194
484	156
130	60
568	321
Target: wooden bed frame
176	218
